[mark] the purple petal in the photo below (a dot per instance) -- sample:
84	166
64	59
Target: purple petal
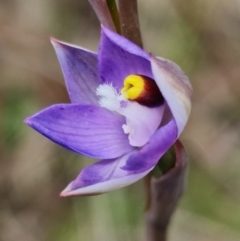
175	88
150	154
80	71
118	58
102	176
86	129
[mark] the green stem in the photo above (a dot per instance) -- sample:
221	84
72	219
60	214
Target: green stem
112	6
102	11
166	163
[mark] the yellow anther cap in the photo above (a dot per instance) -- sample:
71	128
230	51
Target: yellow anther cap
133	87
143	90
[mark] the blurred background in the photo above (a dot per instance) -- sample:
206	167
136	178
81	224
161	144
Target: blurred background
203	37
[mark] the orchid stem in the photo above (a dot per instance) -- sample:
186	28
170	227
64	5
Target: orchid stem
112	6
166	192
147	190
128	13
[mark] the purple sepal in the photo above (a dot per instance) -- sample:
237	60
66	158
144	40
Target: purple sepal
85	129
80	72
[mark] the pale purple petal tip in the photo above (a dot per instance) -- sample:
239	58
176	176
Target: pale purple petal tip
27	120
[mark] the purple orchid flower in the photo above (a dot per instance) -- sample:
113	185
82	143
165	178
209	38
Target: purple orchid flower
128	108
